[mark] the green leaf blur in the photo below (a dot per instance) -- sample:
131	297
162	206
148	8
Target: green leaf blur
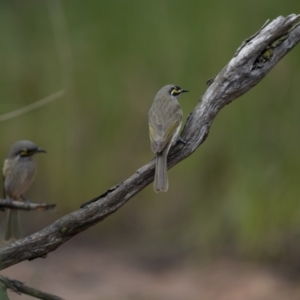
239	191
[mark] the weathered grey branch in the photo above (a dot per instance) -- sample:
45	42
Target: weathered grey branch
253	60
21	288
25	205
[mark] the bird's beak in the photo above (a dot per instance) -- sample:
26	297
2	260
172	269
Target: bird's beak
40	150
183	91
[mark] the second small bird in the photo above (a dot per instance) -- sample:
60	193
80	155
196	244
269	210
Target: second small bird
165	118
18	173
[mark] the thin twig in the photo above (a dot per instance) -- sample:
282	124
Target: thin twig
25	205
236	78
21	288
30	107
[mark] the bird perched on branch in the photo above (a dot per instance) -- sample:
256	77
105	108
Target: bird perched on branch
165	118
18	173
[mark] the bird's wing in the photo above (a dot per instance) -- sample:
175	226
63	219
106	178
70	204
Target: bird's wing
4	172
160	138
3	178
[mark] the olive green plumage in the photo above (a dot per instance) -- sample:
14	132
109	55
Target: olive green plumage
19	169
165	118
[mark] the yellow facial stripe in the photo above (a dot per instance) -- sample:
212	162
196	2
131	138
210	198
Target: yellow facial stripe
175	91
26	152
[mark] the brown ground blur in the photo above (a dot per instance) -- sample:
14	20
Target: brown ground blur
77	271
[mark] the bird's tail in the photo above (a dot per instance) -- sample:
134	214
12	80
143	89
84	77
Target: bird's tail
161	183
12	226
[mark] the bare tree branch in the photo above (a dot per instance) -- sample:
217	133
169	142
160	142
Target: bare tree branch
25	205
250	64
21	288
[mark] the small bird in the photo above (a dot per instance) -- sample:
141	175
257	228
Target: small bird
19	169
165	118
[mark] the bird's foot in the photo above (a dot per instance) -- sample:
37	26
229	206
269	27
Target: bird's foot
27	202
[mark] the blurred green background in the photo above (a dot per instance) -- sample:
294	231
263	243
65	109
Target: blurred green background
237	194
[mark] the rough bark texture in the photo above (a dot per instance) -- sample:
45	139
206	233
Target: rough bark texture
251	62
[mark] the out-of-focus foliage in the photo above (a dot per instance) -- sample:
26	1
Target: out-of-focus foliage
239	191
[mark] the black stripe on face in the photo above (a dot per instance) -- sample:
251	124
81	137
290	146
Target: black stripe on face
175	90
28	152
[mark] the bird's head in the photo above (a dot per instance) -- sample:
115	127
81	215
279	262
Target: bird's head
24	149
